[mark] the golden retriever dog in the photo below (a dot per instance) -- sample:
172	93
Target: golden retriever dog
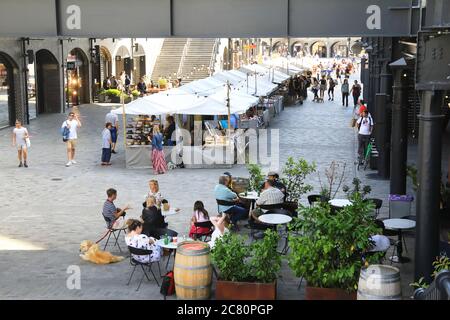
91	252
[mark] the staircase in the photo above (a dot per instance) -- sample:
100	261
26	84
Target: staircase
199	59
169	59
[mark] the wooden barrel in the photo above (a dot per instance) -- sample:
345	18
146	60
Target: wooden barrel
379	282
193	271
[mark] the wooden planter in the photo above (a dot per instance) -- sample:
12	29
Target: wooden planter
313	293
230	290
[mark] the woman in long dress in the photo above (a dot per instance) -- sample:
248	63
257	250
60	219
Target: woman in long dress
158	159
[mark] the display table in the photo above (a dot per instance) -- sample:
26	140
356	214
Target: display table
215	157
140	156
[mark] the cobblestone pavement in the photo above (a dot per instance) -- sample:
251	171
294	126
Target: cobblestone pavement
48	209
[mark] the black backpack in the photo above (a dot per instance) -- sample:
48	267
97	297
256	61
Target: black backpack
168	285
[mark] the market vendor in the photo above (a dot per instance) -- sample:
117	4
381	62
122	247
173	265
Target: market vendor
168	131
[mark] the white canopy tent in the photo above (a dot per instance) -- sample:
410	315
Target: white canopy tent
270	75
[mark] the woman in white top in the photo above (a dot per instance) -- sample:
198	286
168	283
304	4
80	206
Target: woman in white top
135	239
154	192
19	140
221	224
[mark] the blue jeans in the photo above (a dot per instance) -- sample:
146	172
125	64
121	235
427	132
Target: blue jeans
237	213
113	134
106	155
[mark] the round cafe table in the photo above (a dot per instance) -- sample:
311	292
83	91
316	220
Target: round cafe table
340	203
171	246
277	219
252	196
399	225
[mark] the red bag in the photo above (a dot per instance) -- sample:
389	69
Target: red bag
168	284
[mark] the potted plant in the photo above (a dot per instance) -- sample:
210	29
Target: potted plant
334	174
327	249
246	271
357	189
101	95
135	94
113	95
256	178
294	176
440	264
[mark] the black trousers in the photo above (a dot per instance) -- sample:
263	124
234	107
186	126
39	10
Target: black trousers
345	99
363	142
106	155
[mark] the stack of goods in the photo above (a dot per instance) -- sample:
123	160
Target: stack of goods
139	131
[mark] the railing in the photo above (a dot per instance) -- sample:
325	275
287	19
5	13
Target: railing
212	61
439	289
183	56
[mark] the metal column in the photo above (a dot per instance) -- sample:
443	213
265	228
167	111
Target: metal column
399	138
429	178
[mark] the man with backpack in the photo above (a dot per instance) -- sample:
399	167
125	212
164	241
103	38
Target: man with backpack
365	127
356	92
69	132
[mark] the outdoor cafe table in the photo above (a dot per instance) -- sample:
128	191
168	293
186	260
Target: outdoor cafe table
399	225
340	203
252	196
171	246
277	219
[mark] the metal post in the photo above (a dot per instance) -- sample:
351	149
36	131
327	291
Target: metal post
399	139
429	179
383	134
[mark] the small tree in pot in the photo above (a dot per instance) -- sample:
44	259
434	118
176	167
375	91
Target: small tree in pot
328	249
256	177
294	176
246	271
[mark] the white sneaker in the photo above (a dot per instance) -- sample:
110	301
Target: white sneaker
74	162
68	164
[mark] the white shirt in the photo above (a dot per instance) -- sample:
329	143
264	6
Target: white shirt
73	128
366	123
106	138
112	118
216	235
141	241
20	135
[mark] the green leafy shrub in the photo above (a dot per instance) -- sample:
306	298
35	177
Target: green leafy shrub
328	249
256	177
113	93
294	175
135	93
241	262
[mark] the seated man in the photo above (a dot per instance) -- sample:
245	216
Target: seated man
222	192
110	212
154	224
270	196
273	176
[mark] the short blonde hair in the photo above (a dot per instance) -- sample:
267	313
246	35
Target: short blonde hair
154	182
156	129
151	201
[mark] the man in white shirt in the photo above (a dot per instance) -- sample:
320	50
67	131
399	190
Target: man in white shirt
270	195
365	127
114	120
72	123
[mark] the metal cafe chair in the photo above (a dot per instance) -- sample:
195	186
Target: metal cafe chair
313	198
135	264
205	235
114	232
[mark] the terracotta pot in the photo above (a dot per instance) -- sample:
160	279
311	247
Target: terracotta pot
313	293
230	290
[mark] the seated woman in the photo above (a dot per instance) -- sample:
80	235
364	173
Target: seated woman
221	224
200	215
154	192
137	240
154	224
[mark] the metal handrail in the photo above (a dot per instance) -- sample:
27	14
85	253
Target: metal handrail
183	56
212	61
439	289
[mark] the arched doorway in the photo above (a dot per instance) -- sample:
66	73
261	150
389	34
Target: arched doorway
339	50
319	48
8	82
298	48
138	63
77	78
47	83
123	61
105	64
280	48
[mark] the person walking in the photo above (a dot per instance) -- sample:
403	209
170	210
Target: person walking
72	124
356	92
345	90
323	87
315	89
106	145
331	85
365	127
107	83
114	120
158	159
20	139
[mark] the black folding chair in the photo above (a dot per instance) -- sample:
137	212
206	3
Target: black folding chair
224	203
313	198
114	232
378	204
135	264
203	236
